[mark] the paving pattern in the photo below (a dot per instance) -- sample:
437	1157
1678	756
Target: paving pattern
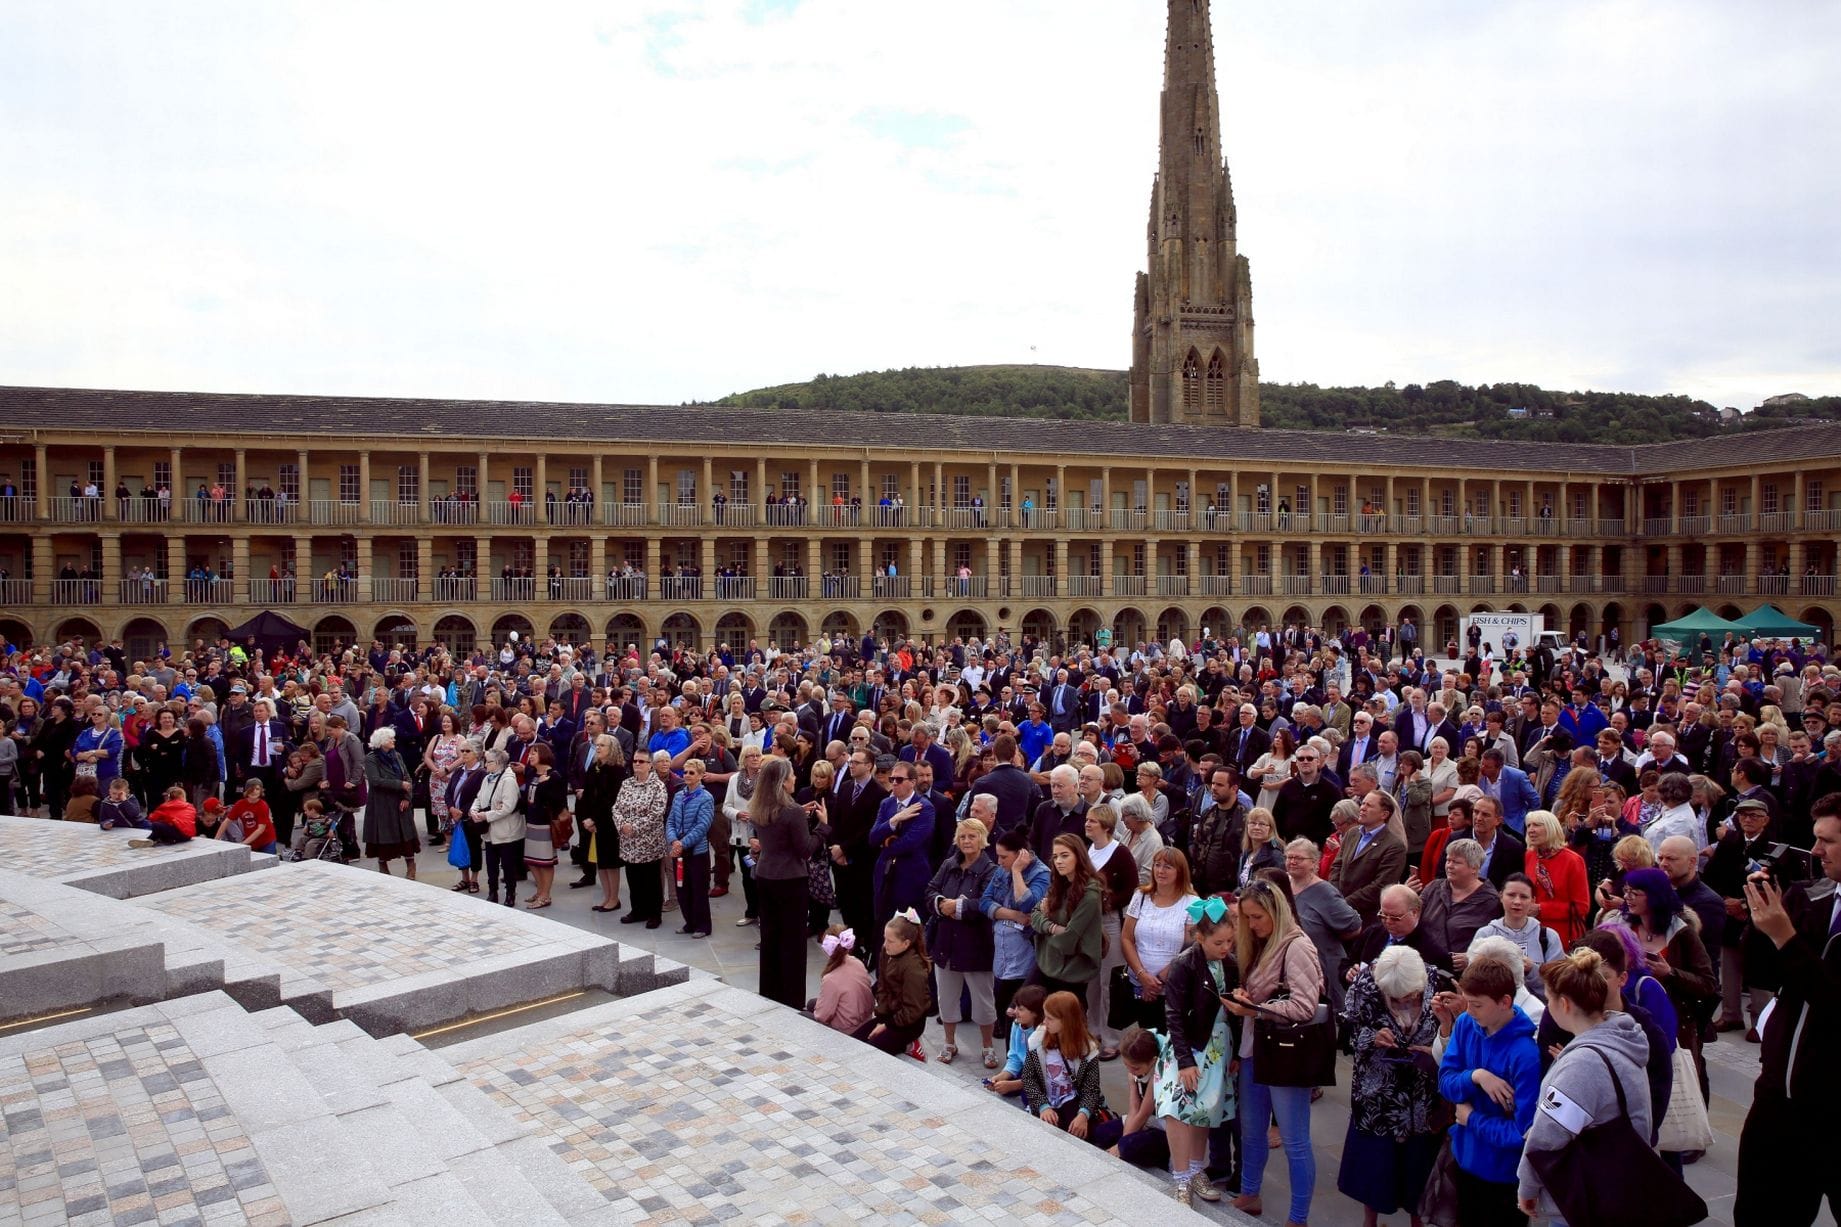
102	862
24	931
125	1128
44	848
343	931
680	1121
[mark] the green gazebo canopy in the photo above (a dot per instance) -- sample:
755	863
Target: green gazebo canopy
1690	627
1769	622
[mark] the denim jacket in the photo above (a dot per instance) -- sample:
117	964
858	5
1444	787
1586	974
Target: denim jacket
1015	948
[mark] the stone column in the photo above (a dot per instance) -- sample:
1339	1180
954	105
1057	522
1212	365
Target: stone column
1565	565
44	562
708	491
916	565
484	573
42	465
991	500
483	485
1754	560
1016	500
1390	564
1193	550
239	510
425	561
1016	559
303	569
1798	559
1061	499
816	496
762	565
993	567
759	497
239	561
598	475
597	564
109	509
869	497
111	562
364	488
306	485
422	492
1107	586
1105	505
654	567
1314	563
1061	567
652	494
814	566
708	562
939	492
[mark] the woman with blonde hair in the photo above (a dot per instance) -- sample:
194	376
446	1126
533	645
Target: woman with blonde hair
1630	852
964	948
594	809
1561	888
781	842
1575	799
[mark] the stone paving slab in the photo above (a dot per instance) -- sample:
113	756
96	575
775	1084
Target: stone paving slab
78	854
389	954
62	947
693	1104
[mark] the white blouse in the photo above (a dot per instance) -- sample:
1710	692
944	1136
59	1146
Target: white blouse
1161	932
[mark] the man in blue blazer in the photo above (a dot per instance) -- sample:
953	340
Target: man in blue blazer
1512	787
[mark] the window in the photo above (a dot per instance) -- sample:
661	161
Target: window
408	563
961	491
738	556
287	476
840	556
408	483
521	482
1412	502
789	483
578	479
1182	496
962	554
466	479
891	553
1140	492
1446	503
891	486
348	552
1729	501
348	484
578	558
1262	560
791	554
1338	560
1339	500
1051	494
1004	492
1690	503
1223	496
1262	499
1409	559
635	554
1447	560
1812	494
840	486
523	555
163	474
1048	564
633	486
1768	498
687	487
1301	504
226	473
1215	397
1578	507
738	486
1224	559
1515	504
1192	381
1137	558
28	477
466	554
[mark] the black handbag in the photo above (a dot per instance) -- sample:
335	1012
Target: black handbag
1289	1053
1607	1176
1122	1001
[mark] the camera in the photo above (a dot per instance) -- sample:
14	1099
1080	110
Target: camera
1783	864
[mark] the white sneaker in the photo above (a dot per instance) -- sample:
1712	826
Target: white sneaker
745	921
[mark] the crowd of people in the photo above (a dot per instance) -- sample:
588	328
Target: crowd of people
1521	893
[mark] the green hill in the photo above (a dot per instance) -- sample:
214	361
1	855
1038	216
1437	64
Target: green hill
1444	408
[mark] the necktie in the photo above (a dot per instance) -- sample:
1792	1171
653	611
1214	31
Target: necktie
1834	920
261	745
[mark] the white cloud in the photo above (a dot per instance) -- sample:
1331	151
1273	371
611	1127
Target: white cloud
656	202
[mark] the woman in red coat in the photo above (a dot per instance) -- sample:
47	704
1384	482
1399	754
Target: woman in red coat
1558	873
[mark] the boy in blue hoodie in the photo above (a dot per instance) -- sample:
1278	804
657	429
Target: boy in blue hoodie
1492	1072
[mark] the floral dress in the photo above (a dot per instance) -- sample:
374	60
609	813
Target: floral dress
444	754
639	816
1212	1101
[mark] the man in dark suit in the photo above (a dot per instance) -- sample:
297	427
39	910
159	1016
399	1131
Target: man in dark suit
1247	743
853	862
1064	813
259	750
841	720
1787	1148
1063	703
1503	853
1397	924
1360	746
577	699
1372	857
1016	794
1610	762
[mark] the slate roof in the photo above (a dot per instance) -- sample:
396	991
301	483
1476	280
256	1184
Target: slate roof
112	412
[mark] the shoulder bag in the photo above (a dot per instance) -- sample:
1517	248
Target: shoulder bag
1607	1176
1287	1053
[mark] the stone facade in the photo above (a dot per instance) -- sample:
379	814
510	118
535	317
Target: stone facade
1192	324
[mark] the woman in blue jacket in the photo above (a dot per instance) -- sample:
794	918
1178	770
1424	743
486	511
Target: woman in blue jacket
1010	895
1492	1072
687	826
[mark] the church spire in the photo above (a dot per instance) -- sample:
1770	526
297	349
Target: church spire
1192	339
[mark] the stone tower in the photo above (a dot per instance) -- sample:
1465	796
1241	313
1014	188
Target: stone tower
1192	328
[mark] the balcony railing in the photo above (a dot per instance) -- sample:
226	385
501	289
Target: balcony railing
385	511
1127	585
334	512
517	588
1172	585
1129	521
209	511
394	589
898	517
1549	583
1481	584
1544	526
454	510
1373	522
1409	585
1296	585
15	592
1085	585
1513	526
1078	519
450	588
1655	584
1776	584
1690	585
1038	586
1169	521
841	587
66	510
17	509
210	591
1445	526
142	591
1732	585
566	514
143	510
788	587
272	510
1818	585
626	588
1447	585
1694	525
967	517
963	587
1658	526
76	591
509	513
1817	518
893	587
1217	585
1736	522
735	587
1777	522
1256	585
1371	585
1412	526
1585	584
624	515
1334	585
681	588
1611	526
274	591
783	515
336	591
1255	521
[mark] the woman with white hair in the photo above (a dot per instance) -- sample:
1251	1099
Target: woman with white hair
1454	907
1394	1132
389	822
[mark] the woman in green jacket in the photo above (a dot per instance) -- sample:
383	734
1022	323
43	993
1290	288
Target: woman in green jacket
1068	919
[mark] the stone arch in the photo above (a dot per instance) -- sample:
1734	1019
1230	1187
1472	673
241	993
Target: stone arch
17	632
1819	617
1730	612
1483	607
890	624
733	630
1253	619
788	629
211	629
1373	619
1173	623
1214	395
1083	626
1653	616
624	629
78	628
681	630
1039	624
1579	621
1517	607
1216	621
1192	380
571	628
841	623
1444	627
456	633
331	631
397	630
1553	616
1129	628
1614	617
506	624
1297	614
143	637
1334	619
967	624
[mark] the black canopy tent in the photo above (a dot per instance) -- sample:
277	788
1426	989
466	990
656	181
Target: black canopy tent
271	632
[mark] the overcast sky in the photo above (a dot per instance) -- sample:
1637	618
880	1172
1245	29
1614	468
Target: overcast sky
648	202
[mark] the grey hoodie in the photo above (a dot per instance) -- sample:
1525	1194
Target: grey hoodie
1578	1092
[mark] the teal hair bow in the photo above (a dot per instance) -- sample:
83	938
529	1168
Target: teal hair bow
1215	909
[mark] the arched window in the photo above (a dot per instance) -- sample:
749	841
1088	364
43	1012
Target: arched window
1192	381
1217	383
